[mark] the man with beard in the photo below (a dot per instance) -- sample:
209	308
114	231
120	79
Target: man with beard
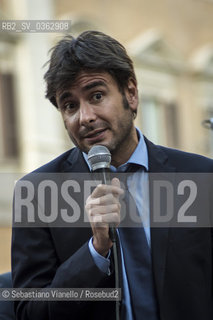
91	81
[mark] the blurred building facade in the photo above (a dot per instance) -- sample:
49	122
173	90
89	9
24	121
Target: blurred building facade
171	44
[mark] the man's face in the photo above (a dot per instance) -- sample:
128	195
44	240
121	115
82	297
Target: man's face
94	113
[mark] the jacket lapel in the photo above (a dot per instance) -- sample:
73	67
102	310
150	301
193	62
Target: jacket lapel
158	163
75	162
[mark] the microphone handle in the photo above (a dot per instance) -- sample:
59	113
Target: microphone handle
112	233
104	173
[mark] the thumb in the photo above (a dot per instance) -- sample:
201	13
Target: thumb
115	182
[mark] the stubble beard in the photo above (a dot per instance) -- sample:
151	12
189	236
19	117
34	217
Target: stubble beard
122	141
126	126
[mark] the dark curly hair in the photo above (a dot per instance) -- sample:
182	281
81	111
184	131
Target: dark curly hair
90	51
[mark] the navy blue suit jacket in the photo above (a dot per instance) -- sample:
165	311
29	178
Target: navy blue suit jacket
59	257
6	307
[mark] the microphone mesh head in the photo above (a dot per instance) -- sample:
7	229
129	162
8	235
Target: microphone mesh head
99	157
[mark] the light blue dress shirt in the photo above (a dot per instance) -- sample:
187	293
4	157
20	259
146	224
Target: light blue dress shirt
137	184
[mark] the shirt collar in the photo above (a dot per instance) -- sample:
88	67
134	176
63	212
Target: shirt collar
139	156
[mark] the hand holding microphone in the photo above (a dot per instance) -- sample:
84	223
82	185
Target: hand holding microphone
103	206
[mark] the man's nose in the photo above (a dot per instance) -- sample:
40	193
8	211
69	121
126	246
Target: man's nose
87	114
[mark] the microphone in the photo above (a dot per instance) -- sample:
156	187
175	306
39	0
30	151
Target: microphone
99	158
208	123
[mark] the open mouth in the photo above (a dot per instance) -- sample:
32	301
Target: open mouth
95	135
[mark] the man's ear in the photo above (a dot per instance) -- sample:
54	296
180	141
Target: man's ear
131	93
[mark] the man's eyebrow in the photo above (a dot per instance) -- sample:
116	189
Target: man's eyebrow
63	96
94	84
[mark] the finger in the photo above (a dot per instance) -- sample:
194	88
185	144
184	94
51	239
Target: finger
104	220
92	211
102	190
106	200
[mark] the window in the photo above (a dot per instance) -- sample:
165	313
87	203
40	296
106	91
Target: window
8	129
159	121
209	136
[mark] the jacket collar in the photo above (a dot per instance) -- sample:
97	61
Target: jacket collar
75	162
158	159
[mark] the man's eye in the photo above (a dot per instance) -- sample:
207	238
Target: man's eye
69	106
97	96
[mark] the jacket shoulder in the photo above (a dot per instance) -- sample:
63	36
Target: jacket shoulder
179	160
56	165
188	161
